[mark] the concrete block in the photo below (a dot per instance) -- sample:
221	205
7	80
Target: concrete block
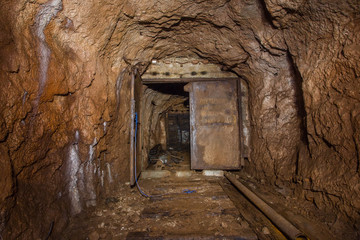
213	173
155	174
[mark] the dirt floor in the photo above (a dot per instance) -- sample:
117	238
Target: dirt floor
195	207
182	204
185	204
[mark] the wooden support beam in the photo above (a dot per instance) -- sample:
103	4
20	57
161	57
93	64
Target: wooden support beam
132	130
183	80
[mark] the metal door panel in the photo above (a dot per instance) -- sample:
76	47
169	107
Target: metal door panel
214	125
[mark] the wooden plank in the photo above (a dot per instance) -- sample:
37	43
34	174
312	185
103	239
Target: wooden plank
138	97
132	129
240	122
144	153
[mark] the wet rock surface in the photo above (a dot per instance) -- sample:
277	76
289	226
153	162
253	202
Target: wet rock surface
65	101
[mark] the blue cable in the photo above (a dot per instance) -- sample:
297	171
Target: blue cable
137	184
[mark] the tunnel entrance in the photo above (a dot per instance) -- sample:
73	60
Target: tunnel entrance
166	128
191	116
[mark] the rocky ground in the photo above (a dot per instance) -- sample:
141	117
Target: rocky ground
181	208
199	207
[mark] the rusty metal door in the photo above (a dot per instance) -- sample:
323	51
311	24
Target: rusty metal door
214	125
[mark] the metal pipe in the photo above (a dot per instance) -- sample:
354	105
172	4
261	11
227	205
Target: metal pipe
283	224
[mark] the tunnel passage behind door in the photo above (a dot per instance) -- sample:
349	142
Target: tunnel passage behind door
178	131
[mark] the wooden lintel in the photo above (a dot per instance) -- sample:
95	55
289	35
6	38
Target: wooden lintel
183	80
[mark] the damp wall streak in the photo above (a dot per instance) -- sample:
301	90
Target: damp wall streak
73	169
90	166
47	11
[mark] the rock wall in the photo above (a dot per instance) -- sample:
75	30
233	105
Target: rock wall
59	103
324	44
66	68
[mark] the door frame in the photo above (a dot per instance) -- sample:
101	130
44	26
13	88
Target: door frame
136	79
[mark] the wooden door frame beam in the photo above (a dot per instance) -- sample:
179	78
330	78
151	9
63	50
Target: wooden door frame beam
132	129
183	80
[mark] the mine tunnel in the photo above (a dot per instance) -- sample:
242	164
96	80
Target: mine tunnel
219	119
